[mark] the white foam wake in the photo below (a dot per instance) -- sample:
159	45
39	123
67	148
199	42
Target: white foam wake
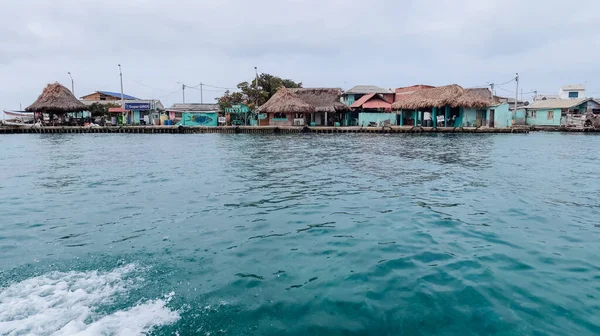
64	303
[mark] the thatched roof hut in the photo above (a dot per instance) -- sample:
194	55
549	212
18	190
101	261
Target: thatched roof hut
305	100
477	98
56	99
449	95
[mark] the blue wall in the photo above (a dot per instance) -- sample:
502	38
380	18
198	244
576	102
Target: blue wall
469	117
519	117
199	119
364	118
540	117
502	116
350	99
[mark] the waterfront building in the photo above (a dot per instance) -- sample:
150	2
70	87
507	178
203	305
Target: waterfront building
239	114
452	106
57	100
557	112
194	114
352	95
369	105
299	107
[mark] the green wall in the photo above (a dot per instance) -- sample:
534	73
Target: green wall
502	116
199	119
540	117
364	118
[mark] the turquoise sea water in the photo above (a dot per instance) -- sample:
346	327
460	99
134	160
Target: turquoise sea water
300	235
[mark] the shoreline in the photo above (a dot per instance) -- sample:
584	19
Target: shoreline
282	130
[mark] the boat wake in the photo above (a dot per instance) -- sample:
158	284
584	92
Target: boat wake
67	303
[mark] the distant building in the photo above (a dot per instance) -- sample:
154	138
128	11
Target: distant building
511	102
107	95
359	91
576	91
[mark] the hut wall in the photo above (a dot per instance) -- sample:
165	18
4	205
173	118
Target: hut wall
199	119
519	117
279	121
364	118
502	116
469	117
544	117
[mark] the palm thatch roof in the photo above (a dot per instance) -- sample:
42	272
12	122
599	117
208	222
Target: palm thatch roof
477	98
56	99
449	95
305	100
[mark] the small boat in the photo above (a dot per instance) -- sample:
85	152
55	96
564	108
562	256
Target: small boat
20	123
19	116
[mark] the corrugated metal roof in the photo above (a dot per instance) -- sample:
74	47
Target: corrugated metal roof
557	103
366	89
117	95
194	107
157	103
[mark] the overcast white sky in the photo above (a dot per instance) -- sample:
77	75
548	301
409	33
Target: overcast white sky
323	43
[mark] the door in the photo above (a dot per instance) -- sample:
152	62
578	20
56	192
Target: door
478	119
492	115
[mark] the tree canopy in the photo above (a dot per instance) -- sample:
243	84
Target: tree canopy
255	95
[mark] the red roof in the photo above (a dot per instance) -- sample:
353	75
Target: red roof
362	100
368	102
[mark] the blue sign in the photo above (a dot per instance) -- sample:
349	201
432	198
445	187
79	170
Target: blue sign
138	106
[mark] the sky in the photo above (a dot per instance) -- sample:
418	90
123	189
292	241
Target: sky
321	43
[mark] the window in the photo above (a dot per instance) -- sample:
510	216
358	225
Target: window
531	114
550	115
573	94
280	115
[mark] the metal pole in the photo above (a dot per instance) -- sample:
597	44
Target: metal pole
517	92
72	84
201	94
183	92
122	96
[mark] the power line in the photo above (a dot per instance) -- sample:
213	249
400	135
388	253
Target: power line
220	87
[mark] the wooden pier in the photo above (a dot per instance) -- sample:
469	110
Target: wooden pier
251	130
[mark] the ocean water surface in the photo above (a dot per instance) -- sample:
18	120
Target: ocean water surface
300	235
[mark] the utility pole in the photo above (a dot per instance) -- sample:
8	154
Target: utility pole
517	92
535	95
521	94
72	84
201	94
492	89
183	92
122	96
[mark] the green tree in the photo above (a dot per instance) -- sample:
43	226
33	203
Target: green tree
99	110
255	95
229	99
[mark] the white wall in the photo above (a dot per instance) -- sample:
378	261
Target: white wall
564	94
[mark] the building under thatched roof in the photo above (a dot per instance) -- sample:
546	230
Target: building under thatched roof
305	100
56	99
449	95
